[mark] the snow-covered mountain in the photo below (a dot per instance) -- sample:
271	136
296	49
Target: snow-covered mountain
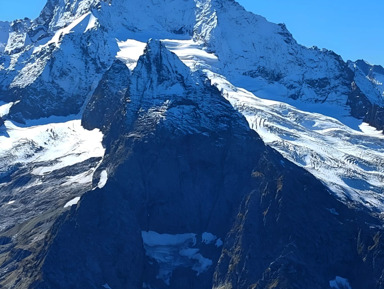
185	144
267	58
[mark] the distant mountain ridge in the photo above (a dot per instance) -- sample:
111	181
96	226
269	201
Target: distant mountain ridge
266	55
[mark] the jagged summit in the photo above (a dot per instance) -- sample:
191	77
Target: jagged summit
57	14
184	100
123	13
375	74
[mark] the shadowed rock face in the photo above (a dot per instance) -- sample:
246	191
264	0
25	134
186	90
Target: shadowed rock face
159	181
98	243
292	233
108	100
363	108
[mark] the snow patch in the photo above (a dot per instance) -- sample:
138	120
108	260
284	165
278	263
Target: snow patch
82	178
191	53
130	51
103	179
72	202
173	251
339	283
219	243
371	131
333	211
152	239
92	23
208	238
4	108
50	147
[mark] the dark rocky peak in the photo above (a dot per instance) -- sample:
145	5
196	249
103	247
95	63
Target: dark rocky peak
280	227
181	167
20	25
121	16
369	68
107	104
4	34
163	86
162	94
59	13
160	64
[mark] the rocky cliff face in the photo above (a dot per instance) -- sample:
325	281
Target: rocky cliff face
367	98
268	248
183	192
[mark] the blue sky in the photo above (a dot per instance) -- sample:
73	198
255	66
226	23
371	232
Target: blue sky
353	29
15	9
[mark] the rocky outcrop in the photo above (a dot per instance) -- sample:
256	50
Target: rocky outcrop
292	233
364	109
367	97
61	75
108	100
99	243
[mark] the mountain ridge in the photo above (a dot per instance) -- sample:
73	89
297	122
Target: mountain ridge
292	75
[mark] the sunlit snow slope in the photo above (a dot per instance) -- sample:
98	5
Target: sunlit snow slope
345	153
350	162
43	165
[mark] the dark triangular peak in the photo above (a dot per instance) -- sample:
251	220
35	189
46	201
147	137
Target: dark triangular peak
163	87
369	68
107	104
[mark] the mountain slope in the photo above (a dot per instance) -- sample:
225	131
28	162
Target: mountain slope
220	153
172	179
264	58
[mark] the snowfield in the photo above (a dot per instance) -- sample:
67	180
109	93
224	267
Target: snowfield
171	251
344	153
44	164
130	51
350	162
62	144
